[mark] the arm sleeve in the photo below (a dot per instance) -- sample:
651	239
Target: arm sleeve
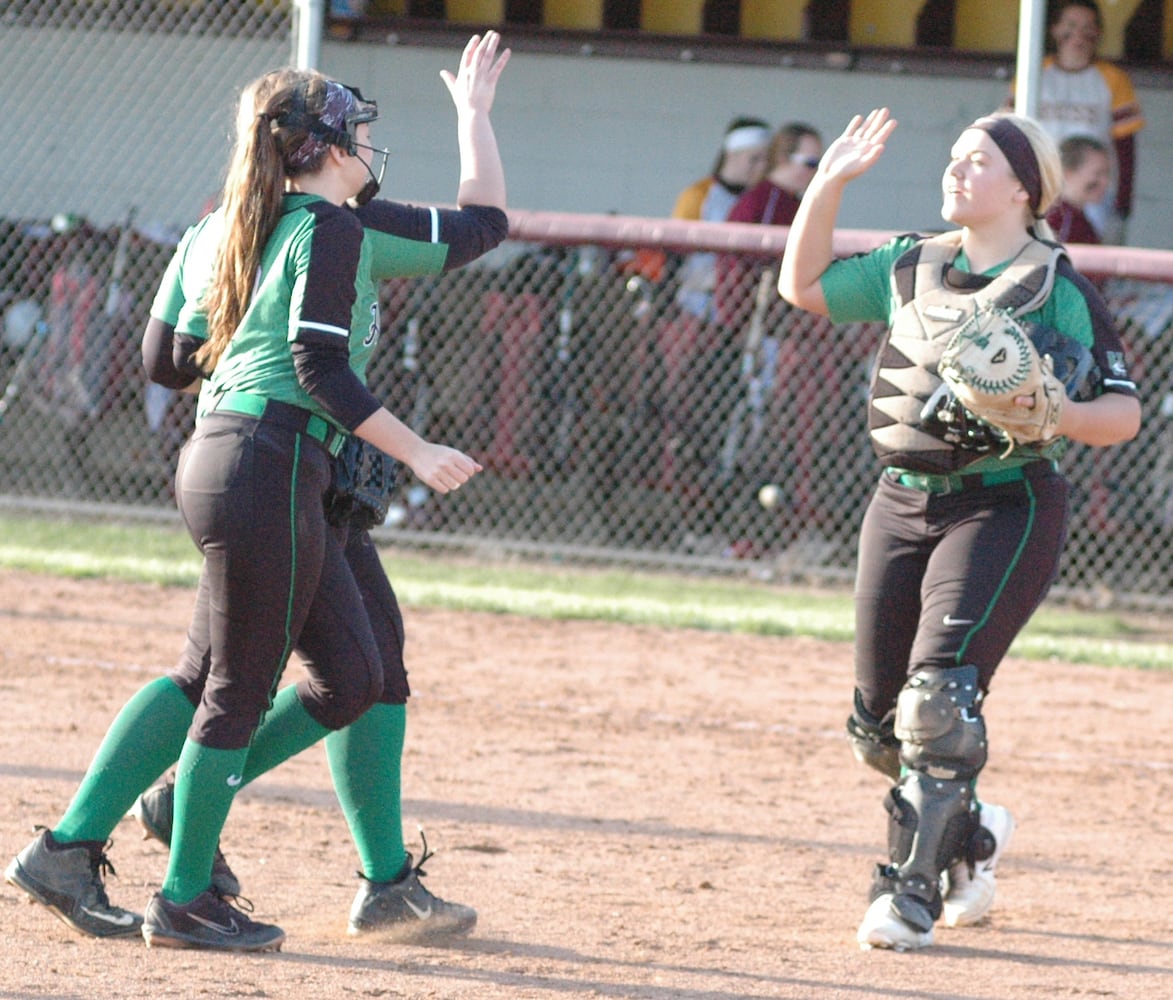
458	235
324	264
323	370
168	357
158	342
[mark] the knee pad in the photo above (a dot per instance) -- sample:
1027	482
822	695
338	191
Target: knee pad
939	723
873	740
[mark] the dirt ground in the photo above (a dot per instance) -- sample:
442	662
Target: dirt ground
634	812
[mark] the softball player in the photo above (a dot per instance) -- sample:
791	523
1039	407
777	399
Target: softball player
960	541
281	334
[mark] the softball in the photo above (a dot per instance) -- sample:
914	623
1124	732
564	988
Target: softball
769	495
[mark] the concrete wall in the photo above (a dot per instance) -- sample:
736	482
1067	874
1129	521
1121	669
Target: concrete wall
95	123
596	134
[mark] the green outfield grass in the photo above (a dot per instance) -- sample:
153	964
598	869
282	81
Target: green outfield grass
164	554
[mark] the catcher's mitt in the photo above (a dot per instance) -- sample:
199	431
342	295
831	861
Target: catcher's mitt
997	374
364	479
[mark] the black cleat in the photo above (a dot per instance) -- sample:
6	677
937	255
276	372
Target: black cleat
208	921
68	879
405	911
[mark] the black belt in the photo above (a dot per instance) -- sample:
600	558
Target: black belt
955	482
295	418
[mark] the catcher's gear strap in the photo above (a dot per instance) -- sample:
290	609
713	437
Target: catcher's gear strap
935	300
929	266
932	810
873	740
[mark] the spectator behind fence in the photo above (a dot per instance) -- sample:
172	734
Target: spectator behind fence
1080	94
740	162
1087	170
792	158
789	437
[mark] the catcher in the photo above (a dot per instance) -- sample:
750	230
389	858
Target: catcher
997	353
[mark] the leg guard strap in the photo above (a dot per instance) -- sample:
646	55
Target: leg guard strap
873	741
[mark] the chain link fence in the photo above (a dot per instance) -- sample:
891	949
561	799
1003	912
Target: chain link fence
622	413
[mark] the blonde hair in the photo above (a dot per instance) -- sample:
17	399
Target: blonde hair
253	189
1046	154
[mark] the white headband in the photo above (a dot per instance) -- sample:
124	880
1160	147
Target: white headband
745	137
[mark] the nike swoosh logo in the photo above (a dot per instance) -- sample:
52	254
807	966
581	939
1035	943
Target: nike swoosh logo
234	779
125	920
231	930
423	914
950	620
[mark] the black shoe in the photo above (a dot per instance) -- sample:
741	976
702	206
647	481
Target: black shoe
155	812
68	879
208	921
405	911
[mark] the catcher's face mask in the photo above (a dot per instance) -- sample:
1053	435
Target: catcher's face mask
337	125
364	111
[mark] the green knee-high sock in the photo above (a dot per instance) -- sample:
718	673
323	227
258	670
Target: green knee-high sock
364	763
206	781
143	741
286	730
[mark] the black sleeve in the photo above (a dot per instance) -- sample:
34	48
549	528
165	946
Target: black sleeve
468	232
328	297
1108	349
168	356
323	370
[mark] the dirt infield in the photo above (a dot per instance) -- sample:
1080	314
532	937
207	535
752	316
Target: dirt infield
634	812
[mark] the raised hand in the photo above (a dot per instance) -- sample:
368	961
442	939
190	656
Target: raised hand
860	146
475	83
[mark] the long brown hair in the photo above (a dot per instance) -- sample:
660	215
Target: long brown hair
255	183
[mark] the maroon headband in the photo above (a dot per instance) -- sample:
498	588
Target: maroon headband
1018	151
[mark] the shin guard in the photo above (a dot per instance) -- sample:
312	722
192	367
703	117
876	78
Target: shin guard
932	811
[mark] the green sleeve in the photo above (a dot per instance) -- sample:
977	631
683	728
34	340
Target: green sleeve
169	298
858	289
398	257
1066	310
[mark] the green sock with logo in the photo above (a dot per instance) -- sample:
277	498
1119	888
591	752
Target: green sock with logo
143	741
287	729
365	765
206	781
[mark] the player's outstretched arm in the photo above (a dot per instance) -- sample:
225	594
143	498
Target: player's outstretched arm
439	467
808	247
473	88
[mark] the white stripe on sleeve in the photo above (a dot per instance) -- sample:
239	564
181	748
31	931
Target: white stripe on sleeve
435	224
325	328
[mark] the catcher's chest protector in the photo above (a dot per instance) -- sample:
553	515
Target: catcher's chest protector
935	301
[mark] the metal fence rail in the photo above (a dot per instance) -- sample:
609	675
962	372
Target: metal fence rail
613	422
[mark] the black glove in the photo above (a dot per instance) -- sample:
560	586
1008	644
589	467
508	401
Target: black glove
364	479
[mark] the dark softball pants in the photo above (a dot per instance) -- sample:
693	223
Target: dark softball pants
251	493
947	579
